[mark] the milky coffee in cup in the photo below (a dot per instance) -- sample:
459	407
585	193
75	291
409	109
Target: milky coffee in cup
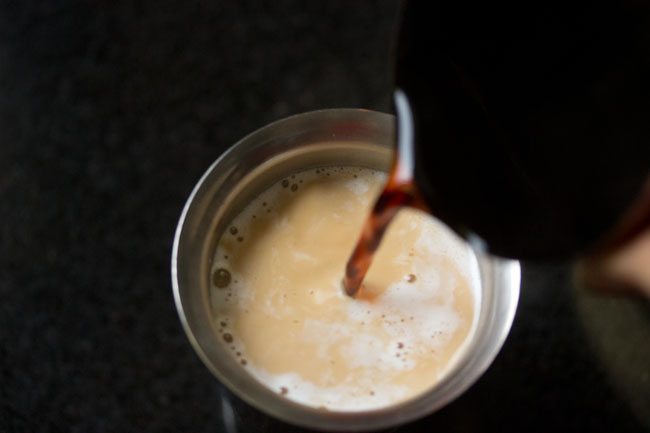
279	307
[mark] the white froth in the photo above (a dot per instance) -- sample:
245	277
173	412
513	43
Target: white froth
341	396
358	186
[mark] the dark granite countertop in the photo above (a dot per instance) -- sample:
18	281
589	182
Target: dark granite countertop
109	113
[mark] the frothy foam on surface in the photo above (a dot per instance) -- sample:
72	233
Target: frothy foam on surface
283	313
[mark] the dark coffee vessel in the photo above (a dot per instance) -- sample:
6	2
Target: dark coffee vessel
531	118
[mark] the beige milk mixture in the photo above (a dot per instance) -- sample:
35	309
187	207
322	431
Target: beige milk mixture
279	307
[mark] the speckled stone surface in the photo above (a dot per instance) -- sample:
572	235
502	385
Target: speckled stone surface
109	112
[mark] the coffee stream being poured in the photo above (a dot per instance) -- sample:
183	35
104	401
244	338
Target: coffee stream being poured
400	191
528	126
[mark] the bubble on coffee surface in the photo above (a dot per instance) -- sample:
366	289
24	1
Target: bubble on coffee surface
221	277
367	349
